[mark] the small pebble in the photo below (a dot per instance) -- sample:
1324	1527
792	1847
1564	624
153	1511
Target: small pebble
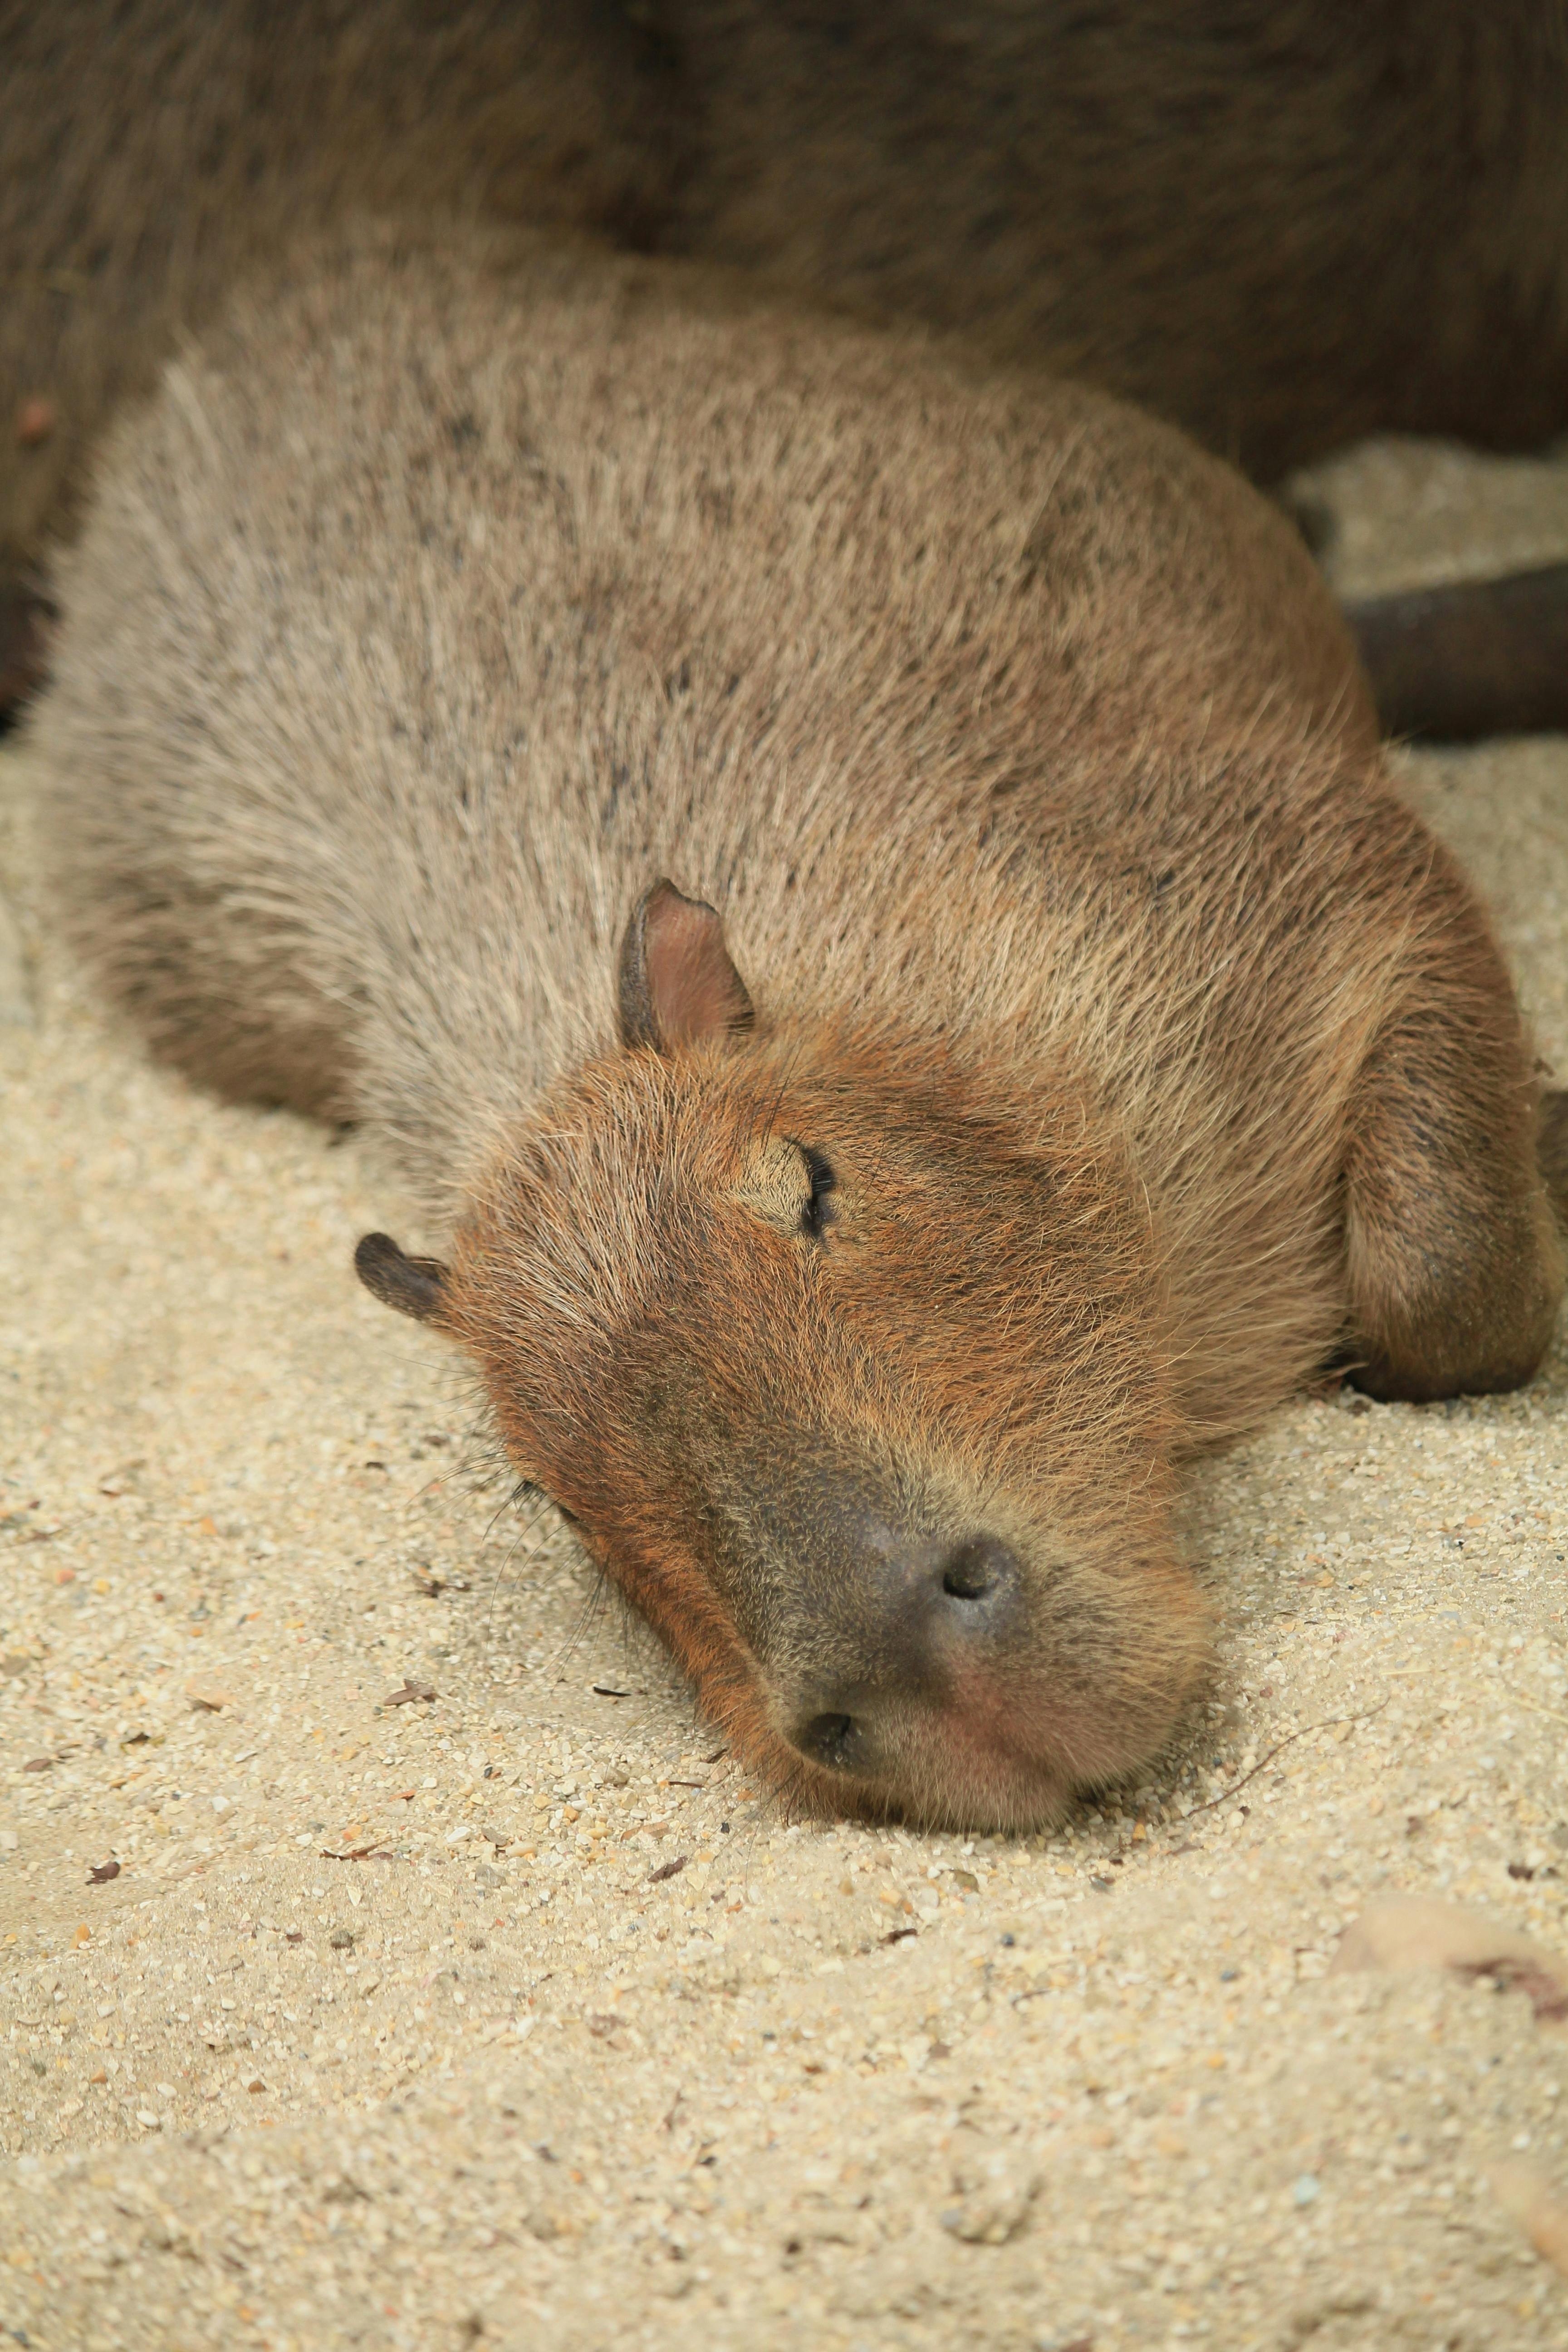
1541	2210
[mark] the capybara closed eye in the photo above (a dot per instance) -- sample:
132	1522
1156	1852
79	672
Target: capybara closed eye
869	901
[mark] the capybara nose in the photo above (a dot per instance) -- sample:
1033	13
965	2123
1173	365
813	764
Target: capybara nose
842	1743
930	1593
911	1616
982	1568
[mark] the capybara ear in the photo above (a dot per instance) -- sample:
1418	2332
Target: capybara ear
415	1285
676	984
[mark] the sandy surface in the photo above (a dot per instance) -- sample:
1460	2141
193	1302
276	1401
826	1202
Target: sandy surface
512	2016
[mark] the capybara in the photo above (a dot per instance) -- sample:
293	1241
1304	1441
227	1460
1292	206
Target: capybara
1281	226
1281	223
867	898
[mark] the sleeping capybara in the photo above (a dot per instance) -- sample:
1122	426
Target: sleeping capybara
866	896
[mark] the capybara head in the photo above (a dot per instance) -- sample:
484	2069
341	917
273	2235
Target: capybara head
852	1373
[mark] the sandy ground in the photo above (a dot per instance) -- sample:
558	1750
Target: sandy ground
511	2015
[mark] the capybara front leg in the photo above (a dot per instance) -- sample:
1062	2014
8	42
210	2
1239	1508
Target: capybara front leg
1454	1259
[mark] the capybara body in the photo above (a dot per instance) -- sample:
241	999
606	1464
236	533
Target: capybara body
866	899
1281	224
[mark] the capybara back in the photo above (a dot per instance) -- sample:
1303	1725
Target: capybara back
151	151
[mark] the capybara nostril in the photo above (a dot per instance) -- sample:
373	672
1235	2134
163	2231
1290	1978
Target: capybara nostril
837	1742
979	1570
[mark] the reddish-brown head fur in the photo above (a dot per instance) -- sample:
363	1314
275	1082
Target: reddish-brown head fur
850	1372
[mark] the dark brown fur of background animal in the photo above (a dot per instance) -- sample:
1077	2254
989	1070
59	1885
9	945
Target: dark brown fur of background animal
444	599
1281	224
1278	225
1476	658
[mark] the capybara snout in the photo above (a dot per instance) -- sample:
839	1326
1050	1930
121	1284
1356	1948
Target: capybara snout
857	1400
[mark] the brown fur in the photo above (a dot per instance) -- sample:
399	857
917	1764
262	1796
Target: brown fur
1476	658
153	151
1281	226
1087	1043
1280	223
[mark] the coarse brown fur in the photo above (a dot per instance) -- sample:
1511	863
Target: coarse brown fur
153	151
1281	225
1086	1045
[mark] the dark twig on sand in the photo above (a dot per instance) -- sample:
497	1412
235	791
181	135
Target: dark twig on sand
1327	1724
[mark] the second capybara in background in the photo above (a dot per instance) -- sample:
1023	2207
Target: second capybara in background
866	897
1281	225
